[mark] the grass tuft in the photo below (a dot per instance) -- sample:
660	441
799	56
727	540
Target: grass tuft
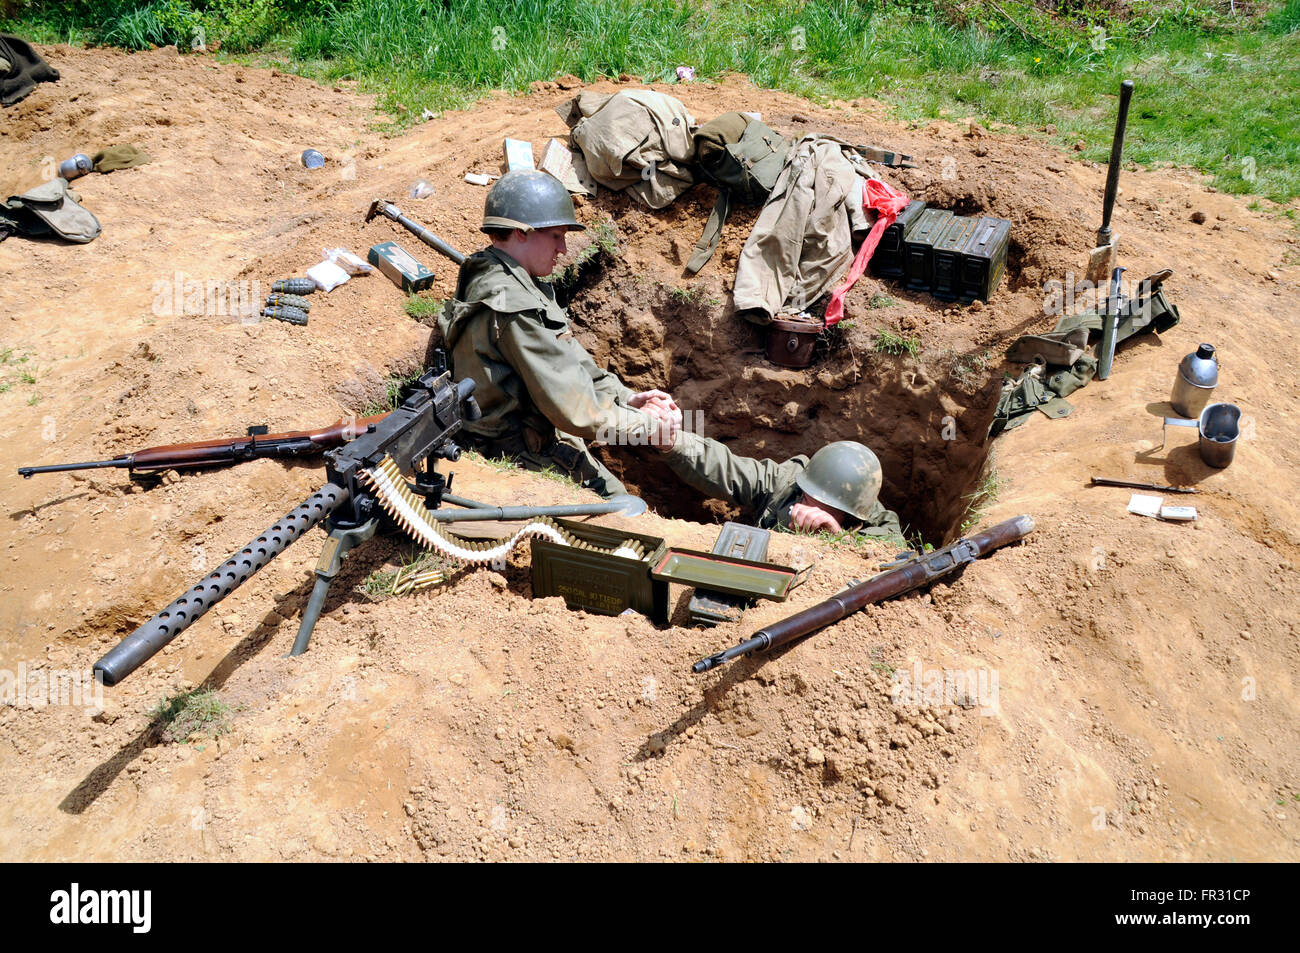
190	714
887	342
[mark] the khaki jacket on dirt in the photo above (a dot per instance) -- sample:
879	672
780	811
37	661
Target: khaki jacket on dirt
505	331
802	241
637	140
764	487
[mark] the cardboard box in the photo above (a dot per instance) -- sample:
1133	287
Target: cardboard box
404	271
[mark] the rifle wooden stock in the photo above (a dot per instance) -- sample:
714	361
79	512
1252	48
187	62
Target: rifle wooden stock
223	451
893	582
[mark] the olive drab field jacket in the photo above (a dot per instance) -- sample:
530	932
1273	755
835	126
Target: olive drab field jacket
765	487
505	331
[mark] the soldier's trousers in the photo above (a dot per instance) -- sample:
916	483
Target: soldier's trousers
568	455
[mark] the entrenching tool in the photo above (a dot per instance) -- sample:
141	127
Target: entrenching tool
388	210
1101	257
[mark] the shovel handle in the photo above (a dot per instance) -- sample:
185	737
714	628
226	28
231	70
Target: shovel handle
1116	153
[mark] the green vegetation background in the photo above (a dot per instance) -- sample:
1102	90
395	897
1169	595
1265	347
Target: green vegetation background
1218	81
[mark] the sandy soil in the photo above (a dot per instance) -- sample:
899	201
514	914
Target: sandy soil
1145	671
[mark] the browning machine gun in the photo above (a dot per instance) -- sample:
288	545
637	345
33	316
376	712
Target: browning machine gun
909	572
365	482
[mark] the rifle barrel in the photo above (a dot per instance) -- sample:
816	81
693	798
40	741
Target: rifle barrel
27	472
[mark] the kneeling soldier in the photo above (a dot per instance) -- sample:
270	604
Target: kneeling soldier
541	393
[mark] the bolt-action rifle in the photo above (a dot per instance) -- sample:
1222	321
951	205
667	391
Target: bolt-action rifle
911	571
150	463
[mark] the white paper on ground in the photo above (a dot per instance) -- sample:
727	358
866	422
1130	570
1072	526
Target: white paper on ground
1144	505
1182	514
327	275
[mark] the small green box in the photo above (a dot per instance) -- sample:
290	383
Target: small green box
985	258
948	247
918	248
394	261
600	581
887	261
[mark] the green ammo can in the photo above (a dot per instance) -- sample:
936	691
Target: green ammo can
918	248
887	261
984	258
599	581
948	258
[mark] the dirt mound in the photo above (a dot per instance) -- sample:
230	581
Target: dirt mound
1114	688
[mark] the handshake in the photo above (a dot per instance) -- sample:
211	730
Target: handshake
665	414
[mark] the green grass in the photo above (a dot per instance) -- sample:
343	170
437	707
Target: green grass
393	388
190	714
694	296
979	502
505	465
879	300
424	310
17	369
887	342
1217	86
604	242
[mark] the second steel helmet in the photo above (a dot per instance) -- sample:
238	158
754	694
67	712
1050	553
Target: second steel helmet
844	474
528	199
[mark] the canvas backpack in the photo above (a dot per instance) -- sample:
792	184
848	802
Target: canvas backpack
743	158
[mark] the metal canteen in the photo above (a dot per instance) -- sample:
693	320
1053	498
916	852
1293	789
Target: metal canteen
1198	375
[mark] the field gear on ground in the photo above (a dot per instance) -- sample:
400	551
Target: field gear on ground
765	488
49	210
540	392
1062	359
845	475
743	158
636	140
529	200
803	238
21	68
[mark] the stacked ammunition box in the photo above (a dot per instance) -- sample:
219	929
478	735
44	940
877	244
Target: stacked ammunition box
952	257
984	258
887	261
918	248
948	249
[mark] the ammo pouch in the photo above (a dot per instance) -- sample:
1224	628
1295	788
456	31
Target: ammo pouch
743	158
48	210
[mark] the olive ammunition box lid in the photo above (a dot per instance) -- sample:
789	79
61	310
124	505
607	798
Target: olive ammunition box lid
739	541
990	238
740	577
956	235
402	269
929	226
908	216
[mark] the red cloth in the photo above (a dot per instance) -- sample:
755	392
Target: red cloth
888	202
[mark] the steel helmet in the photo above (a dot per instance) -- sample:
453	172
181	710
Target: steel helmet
844	474
528	199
